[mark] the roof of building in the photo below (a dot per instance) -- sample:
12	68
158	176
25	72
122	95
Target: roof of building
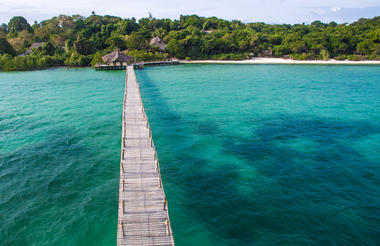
33	46
158	42
116	56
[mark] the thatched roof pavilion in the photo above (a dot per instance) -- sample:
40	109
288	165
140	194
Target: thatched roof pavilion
33	46
116	56
158	42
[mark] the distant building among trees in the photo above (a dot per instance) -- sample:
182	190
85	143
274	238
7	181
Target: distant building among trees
87	39
116	56
33	46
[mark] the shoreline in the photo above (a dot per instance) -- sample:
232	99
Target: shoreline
282	61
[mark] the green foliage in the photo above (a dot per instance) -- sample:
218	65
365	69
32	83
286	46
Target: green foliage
117	42
191	20
4	28
281	50
76	59
301	57
81	41
48	49
137	40
18	24
34	61
341	57
83	46
142	55
355	58
176	48
325	55
374	57
126	27
6	48
97	58
230	56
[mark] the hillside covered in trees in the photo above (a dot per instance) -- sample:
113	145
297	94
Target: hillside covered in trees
80	41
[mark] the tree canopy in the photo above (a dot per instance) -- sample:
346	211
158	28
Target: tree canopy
80	41
18	24
6	47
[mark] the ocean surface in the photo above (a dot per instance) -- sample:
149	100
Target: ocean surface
249	154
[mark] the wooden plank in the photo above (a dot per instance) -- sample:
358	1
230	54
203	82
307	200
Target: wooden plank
143	216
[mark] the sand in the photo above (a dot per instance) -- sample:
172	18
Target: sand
284	61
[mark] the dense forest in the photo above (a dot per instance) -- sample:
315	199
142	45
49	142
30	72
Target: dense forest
80	41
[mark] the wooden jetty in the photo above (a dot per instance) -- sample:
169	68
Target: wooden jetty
112	66
139	65
143	209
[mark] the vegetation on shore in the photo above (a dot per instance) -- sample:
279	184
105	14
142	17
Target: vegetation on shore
80	41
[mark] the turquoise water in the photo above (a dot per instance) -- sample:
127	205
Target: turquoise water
250	155
268	154
59	156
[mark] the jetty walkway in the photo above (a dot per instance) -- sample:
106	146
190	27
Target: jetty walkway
139	65
143	211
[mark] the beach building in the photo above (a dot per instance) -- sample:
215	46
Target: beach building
158	42
33	46
114	61
116	57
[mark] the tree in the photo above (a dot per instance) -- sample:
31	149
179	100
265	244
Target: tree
83	46
6	48
332	24
48	49
176	48
23	40
127	26
211	23
281	50
18	24
4	28
365	47
117	42
187	37
191	20
137	41
318	24
324	54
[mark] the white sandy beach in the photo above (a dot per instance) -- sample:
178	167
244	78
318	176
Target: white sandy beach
260	60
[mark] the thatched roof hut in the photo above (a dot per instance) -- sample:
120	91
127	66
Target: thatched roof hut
116	56
33	46
158	42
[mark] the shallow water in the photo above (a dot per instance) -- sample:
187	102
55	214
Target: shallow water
268	154
59	156
249	155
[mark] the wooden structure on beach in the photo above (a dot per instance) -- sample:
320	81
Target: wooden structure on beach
116	56
31	48
112	66
143	211
139	65
158	42
119	61
114	61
